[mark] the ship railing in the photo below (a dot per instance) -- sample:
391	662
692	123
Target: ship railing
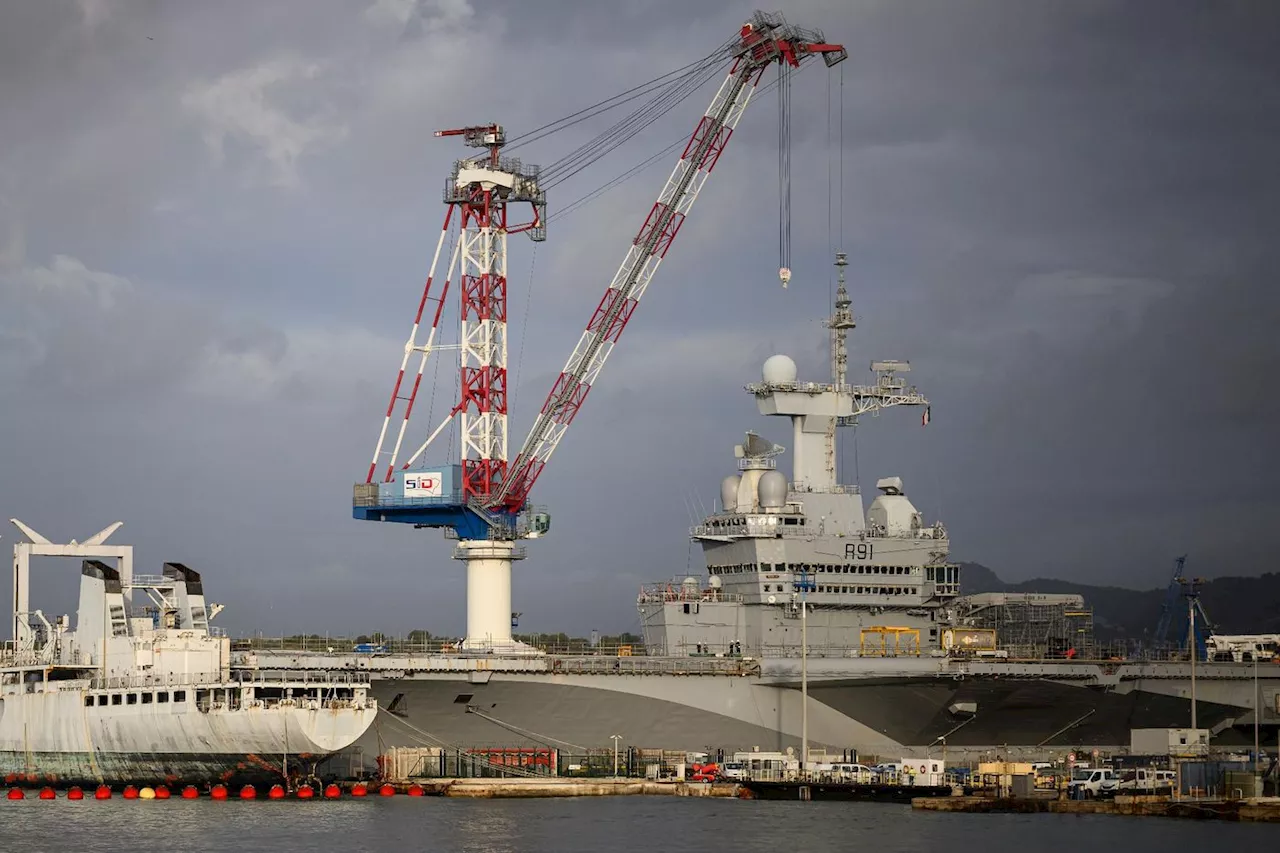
766	531
549	644
236	677
653	666
677	592
291	676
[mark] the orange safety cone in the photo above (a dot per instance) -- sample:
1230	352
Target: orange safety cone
332	791
75	793
415	790
359	790
162	793
16	794
305	792
248	792
276	792
48	794
218	792
387	790
190	793
130	792
103	792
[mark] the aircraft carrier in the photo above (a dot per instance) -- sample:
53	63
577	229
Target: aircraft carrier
805	593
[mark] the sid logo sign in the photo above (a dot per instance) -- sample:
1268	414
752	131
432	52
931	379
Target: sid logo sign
424	485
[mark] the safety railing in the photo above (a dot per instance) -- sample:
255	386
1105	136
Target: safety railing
380	646
655	593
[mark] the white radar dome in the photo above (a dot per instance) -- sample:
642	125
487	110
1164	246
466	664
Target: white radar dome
714	582
779	370
772	490
729	492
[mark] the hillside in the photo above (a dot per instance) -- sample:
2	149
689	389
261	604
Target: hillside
1236	605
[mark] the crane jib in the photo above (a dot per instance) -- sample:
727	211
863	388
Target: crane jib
768	39
710	139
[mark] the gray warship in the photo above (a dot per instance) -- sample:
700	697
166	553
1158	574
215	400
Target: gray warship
816	621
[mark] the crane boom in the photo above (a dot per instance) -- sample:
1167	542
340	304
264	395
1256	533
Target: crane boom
762	41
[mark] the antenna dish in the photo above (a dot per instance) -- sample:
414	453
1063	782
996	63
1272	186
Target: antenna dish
756	447
773	599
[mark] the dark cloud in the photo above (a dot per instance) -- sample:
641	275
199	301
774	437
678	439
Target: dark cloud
211	239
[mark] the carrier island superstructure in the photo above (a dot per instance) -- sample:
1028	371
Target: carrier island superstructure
897	662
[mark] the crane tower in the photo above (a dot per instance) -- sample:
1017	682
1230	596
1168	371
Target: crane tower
482	499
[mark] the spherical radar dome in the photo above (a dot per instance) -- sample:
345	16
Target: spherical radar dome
779	370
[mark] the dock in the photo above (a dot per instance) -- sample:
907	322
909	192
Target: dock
1255	810
550	786
867	792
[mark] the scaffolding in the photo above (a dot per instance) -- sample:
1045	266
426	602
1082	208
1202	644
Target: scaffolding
1033	625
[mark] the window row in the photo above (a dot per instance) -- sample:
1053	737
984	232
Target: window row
807	568
135	698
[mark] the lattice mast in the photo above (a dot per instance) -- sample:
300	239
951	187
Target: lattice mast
840	322
764	40
479	190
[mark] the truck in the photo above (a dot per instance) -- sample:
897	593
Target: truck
1148	780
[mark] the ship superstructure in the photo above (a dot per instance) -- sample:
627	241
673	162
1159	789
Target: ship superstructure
776	546
142	690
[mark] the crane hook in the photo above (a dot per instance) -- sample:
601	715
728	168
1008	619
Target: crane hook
784	274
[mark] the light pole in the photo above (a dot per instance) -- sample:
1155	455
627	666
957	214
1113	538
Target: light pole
1257	712
1191	591
804	584
615	739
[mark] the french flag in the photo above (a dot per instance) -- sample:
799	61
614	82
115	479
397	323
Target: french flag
924	419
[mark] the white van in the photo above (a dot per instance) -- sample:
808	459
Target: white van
1092	784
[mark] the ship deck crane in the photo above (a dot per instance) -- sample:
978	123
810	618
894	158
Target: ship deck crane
483	500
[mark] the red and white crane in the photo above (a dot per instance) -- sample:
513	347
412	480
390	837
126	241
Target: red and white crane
481	498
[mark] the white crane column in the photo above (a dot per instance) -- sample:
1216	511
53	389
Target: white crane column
489	592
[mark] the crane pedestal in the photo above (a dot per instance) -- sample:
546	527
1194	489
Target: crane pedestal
489	595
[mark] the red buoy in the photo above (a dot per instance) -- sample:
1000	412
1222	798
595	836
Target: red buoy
248	792
218	792
190	793
48	794
305	792
162	793
130	792
332	791
74	793
102	792
387	790
16	794
359	790
415	790
276	792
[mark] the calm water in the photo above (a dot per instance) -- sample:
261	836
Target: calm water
595	824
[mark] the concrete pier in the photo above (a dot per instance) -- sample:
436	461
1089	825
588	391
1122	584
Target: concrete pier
1264	810
482	788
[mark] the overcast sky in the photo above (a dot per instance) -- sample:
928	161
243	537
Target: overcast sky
215	219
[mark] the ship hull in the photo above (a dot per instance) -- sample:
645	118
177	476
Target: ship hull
63	769
883	716
64	737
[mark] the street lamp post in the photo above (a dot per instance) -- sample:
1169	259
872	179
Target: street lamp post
804	584
615	739
1257	712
